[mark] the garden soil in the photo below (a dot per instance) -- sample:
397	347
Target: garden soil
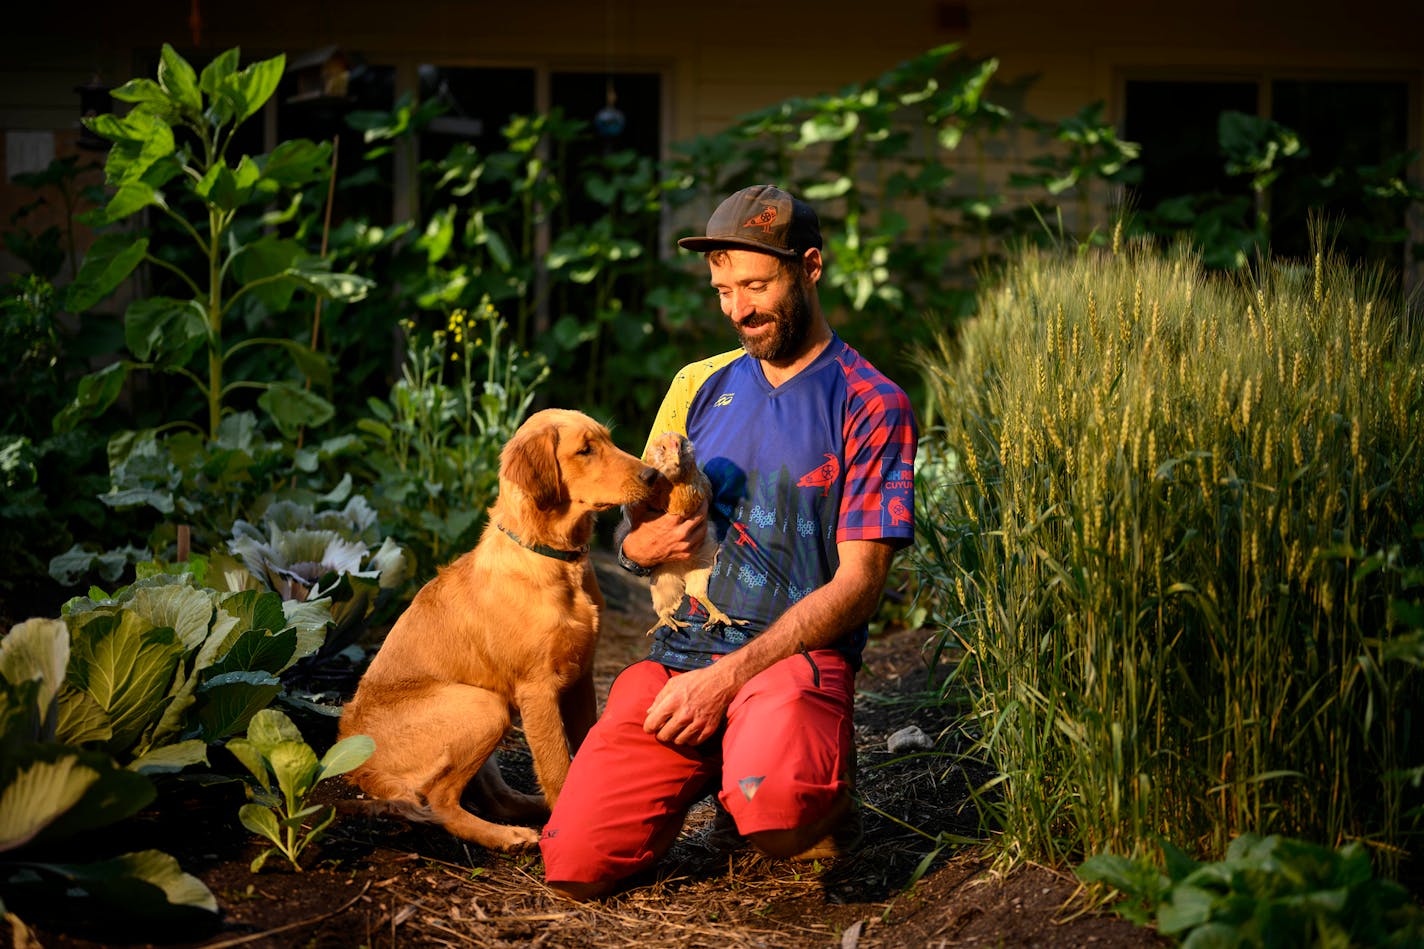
384	883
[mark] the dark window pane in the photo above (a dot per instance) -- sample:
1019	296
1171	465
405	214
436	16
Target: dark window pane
1350	130
1176	125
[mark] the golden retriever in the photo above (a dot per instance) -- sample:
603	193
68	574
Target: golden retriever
676	460
511	625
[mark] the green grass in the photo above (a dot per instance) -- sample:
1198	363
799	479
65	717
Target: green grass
1165	515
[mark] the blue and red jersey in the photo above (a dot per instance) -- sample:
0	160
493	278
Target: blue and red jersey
825	457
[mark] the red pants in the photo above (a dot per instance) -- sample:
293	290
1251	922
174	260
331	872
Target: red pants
783	756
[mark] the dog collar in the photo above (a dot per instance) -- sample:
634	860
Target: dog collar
547	551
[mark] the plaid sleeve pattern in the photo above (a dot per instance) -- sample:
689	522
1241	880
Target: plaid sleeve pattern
880	440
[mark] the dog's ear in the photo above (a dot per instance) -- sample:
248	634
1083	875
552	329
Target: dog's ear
529	462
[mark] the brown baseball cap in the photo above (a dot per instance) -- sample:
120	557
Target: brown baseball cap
762	218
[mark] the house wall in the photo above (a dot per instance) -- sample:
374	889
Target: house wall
719	60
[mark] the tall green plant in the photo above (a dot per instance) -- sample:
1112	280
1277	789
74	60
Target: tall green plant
1160	553
171	156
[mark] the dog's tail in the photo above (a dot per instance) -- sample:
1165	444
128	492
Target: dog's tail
385	807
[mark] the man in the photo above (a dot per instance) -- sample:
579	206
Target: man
810	451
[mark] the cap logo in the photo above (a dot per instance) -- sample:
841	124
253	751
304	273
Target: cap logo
765	220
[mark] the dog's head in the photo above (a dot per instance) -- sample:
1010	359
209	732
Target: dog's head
673	455
562	457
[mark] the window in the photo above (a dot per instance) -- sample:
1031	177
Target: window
1349	128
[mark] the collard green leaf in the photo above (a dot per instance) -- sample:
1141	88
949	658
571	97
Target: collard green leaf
114	795
295	765
258	650
269	728
251	757
36	792
37	649
168	759
348	753
254	609
81	721
148	884
127	665
227	702
260	821
20	720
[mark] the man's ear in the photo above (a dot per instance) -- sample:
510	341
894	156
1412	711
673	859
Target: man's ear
811	264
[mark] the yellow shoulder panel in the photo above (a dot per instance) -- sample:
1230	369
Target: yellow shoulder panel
672	415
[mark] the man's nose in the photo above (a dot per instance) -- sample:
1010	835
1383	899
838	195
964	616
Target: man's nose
739	306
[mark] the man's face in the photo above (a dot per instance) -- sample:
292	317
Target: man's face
766	302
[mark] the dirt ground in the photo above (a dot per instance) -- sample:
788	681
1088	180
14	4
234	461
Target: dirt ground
382	883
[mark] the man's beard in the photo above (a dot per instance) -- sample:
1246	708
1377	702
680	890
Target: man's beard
791	326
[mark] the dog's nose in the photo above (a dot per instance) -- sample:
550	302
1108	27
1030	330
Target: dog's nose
648	475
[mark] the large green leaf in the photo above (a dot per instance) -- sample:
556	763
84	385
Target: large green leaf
294	408
81	721
223	65
177	77
258	650
95	393
227	702
350	752
110	260
148	884
112	795
187	610
170	758
297	162
264	259
127	665
343	287
255	609
260	821
295	765
269	728
165	330
38	649
36	792
255	85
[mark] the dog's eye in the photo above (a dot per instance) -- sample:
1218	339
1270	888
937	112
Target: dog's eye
585	450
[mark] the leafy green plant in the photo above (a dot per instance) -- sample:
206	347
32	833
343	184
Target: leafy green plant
300	553
285	769
162	668
170	151
1266	891
52	790
462	394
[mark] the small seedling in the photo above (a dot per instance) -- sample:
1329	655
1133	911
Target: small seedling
286	770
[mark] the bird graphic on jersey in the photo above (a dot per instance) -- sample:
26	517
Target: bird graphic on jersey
674	457
822	477
899	512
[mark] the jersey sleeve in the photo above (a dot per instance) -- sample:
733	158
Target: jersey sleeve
672	414
881	436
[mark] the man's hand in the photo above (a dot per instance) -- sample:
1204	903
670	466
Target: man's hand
657	536
692	706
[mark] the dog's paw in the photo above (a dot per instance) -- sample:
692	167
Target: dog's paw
519	838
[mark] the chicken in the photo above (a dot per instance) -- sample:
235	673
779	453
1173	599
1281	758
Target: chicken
673	455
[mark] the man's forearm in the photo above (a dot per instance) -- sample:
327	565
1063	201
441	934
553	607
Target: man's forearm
819	620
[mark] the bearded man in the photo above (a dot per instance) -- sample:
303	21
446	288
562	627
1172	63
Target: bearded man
810	451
